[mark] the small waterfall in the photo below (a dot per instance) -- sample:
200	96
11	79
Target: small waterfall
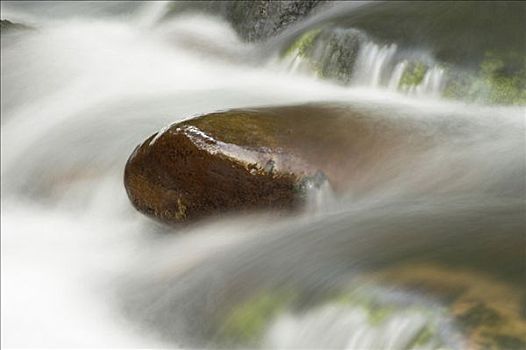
322	328
349	57
396	77
432	83
373	63
320	195
295	64
377	67
93	81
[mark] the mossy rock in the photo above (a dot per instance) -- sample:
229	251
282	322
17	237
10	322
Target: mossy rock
500	79
250	323
329	53
303	44
413	75
486	309
247	322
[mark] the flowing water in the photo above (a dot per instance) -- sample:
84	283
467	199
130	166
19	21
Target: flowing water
80	267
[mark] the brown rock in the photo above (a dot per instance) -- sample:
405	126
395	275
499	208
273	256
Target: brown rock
246	160
183	175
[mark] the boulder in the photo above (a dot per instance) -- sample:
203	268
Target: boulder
258	159
256	20
183	174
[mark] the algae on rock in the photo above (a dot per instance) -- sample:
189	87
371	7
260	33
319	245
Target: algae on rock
329	53
247	322
413	75
500	79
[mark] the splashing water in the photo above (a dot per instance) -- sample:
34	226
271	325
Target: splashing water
431	84
372	62
80	93
470	52
398	72
377	66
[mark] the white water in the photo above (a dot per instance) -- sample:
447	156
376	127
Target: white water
378	67
77	96
431	84
396	332
372	63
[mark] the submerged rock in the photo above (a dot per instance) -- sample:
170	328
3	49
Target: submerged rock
486	309
246	160
433	305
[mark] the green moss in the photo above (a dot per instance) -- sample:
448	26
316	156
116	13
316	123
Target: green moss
413	75
302	44
329	53
247	322
506	77
376	313
499	79
423	337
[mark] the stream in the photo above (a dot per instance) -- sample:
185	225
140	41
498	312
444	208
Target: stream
363	269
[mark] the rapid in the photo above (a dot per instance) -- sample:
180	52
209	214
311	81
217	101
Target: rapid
80	267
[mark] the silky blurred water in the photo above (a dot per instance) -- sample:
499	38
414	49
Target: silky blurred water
80	267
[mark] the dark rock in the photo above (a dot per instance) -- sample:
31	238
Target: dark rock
331	53
253	20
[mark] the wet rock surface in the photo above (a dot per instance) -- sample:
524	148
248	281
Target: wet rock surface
286	158
257	159
486	309
182	175
254	20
